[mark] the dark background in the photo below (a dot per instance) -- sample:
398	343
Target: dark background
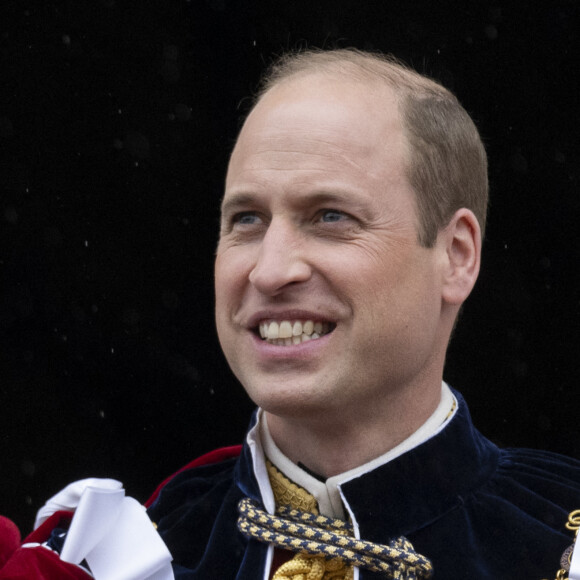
116	119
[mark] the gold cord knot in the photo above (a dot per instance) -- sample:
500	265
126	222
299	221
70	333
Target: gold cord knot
307	567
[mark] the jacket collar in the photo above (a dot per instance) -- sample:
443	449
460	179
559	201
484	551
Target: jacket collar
405	494
422	485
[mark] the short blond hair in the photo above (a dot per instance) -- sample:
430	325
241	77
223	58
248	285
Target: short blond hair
447	161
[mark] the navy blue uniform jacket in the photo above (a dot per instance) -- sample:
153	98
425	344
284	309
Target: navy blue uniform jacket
475	510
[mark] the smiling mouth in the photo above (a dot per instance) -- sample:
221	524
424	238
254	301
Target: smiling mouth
293	332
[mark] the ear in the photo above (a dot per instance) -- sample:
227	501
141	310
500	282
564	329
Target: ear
461	240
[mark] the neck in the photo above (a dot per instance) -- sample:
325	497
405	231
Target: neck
331	445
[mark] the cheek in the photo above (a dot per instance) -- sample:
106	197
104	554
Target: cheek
224	290
225	294
391	295
363	282
231	273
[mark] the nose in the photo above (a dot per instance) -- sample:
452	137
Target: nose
280	261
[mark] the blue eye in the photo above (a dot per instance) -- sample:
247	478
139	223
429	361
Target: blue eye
332	215
246	219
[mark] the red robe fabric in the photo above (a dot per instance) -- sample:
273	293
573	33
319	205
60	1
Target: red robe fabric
37	562
40	563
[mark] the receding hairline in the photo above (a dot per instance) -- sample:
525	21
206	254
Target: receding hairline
352	65
383	73
447	162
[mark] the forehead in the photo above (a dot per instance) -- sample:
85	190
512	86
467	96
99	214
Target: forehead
314	137
350	122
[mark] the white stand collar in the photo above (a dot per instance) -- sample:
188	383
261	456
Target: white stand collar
327	493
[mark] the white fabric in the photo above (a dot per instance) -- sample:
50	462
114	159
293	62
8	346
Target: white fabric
255	443
68	498
259	464
112	532
575	563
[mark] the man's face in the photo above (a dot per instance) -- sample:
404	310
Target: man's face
319	229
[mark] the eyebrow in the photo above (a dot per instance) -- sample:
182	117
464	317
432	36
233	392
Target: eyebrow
237	201
243	200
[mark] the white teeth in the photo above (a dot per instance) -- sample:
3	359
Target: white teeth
273	330
287	332
264	330
297	328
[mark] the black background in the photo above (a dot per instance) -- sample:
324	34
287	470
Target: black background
116	120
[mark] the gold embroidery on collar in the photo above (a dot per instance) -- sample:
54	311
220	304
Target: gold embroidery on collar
287	493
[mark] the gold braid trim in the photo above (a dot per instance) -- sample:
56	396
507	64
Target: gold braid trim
286	492
572	524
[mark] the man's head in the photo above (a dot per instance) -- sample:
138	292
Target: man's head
320	224
446	163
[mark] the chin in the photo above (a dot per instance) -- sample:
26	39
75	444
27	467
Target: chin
296	402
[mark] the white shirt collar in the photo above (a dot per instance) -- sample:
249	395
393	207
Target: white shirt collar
327	493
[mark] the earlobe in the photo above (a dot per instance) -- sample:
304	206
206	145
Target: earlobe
462	239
